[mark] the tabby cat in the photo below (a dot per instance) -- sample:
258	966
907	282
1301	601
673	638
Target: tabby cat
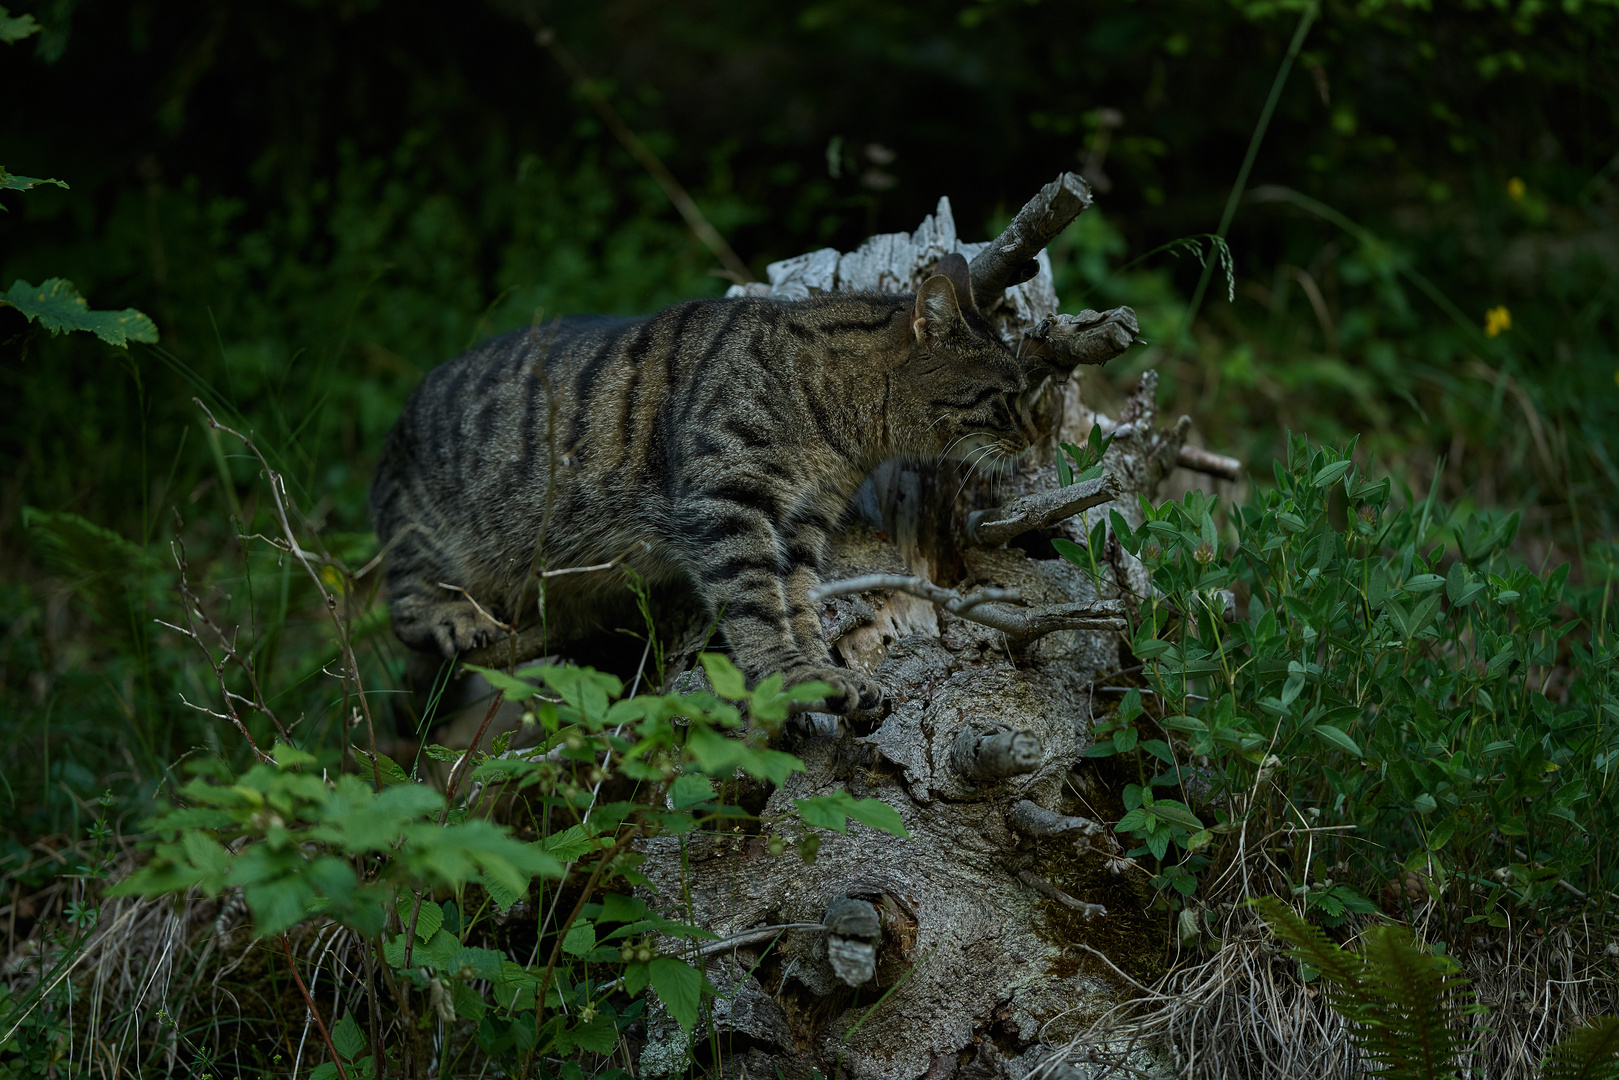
718	439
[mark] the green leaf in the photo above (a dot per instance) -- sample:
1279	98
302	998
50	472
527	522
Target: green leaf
387	767
57	306
1071	551
691	789
1589	1052
288	756
514	688
880	816
599	1036
829	812
1421	583
679	987
581	938
348	1038
719	756
569	845
468	1005
1337	737
726	679
1329	473
1175	813
428	919
13	28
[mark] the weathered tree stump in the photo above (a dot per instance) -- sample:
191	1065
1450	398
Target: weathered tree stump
989	645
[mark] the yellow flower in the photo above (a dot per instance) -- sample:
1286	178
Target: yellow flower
1515	189
1497	320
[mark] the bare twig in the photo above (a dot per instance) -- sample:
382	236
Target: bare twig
278	495
1040	510
1204	461
1047	889
1019	626
1036	820
191	604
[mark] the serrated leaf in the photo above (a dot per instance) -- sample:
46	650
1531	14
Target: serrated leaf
724	677
13	28
475	963
599	1036
502	893
826	811
679	987
580	939
468	1005
691	789
569	845
428	919
347	1038
57	306
514	688
438	951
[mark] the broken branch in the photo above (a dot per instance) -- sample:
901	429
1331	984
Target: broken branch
1091	337
1020	626
1009	258
1041	510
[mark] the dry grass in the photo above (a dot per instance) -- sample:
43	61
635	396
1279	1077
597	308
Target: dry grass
1245	1013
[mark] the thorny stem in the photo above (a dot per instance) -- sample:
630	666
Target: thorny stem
309	1002
562	931
449	798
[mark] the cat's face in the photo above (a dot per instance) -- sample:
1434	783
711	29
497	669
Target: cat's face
964	394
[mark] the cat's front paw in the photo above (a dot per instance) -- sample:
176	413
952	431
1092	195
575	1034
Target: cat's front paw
851	691
459	628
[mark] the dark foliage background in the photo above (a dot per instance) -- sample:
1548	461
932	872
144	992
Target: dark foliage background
317	202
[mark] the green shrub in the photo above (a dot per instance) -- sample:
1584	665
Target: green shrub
1401	701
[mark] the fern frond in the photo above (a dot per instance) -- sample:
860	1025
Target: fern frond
1340	968
1590	1052
1414	999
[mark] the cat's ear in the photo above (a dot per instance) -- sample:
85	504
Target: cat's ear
954	267
937	308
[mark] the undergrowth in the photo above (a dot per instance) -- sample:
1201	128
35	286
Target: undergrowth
1367	701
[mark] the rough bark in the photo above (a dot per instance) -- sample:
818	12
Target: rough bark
990	652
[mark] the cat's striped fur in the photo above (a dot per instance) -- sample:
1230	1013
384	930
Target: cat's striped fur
718	439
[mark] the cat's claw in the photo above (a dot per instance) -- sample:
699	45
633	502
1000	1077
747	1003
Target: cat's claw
851	692
461	628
